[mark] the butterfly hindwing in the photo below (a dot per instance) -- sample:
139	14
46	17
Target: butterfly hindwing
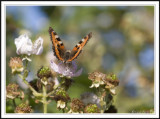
57	45
78	48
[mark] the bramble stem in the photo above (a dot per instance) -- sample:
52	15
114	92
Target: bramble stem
14	103
50	93
44	99
35	93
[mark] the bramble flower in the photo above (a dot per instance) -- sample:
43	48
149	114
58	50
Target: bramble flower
23	108
16	65
111	82
90	98
61	97
66	70
97	79
14	92
77	106
91	108
61	104
24	45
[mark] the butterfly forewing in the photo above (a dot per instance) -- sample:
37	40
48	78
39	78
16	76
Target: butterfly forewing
57	45
78	48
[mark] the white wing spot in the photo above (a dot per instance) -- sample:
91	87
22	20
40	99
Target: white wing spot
78	44
60	42
56	36
83	40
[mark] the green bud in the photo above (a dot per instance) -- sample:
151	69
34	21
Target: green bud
44	72
91	108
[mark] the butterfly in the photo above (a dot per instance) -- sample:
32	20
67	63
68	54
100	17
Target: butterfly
66	56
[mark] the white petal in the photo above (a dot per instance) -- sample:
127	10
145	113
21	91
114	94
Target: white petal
92	86
62	105
96	85
38	46
113	91
23	45
58	103
54	66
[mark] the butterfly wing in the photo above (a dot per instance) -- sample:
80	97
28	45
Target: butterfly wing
78	48
57	45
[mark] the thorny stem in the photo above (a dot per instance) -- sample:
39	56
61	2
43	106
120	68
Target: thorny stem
26	64
50	93
102	99
35	93
44	99
110	101
14	103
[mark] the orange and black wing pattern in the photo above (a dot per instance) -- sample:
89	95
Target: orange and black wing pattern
57	45
78	48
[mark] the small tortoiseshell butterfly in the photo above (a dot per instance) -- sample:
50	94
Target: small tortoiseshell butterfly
61	53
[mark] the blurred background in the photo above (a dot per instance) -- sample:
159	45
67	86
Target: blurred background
122	43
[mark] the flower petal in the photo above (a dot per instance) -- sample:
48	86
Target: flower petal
113	91
66	70
23	45
78	73
61	104
37	47
74	66
54	66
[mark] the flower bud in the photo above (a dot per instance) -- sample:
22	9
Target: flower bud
13	92
91	108
44	72
61	97
97	79
23	108
77	105
111	82
16	65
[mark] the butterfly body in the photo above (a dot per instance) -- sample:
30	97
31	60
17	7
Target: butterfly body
61	53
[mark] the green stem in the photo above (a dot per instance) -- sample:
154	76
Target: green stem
63	110
109	101
26	64
14	103
50	93
35	93
102	99
44	99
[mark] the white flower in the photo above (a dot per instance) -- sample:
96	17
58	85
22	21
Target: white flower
88	98
24	45
96	84
61	104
